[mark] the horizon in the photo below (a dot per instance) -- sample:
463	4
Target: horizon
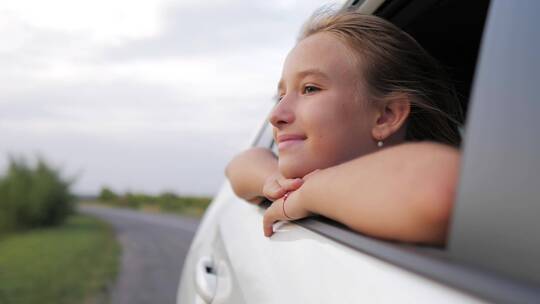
156	99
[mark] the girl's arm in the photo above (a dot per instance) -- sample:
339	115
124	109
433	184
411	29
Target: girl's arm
248	171
400	193
254	175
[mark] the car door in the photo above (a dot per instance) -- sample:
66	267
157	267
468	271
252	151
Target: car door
231	261
493	243
297	265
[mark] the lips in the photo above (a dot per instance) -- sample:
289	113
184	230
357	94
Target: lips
289	140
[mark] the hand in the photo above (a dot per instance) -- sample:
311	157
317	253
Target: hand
293	208
276	186
275	212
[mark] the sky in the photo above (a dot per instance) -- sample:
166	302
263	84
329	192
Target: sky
137	95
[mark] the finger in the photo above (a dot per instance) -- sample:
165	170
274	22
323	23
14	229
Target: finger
268	226
291	184
273	190
271	216
256	200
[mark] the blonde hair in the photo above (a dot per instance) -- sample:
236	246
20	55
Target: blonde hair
396	63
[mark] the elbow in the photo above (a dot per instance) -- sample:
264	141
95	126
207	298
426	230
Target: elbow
435	213
436	222
437	201
228	170
239	175
237	187
232	174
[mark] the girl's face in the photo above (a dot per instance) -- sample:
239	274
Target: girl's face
322	118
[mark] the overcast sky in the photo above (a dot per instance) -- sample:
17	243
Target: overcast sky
140	95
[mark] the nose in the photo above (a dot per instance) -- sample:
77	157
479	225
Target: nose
282	114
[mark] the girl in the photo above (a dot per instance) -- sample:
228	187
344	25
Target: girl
367	131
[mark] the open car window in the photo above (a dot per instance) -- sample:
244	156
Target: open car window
453	31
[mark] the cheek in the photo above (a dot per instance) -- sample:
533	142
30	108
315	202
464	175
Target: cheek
321	124
338	130
336	116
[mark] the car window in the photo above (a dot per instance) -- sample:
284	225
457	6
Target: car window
482	255
264	138
496	218
454	42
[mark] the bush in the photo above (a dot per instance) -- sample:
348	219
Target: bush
107	195
166	201
33	197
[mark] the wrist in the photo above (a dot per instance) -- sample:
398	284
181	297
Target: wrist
302	198
307	195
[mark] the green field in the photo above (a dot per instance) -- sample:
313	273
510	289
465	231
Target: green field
169	203
72	263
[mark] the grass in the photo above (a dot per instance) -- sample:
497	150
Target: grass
188	206
193	207
72	263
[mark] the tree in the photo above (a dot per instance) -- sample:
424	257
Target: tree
33	196
107	195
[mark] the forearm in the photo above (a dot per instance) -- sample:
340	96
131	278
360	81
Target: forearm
248	171
402	193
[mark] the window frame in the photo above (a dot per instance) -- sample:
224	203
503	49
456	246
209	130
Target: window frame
431	262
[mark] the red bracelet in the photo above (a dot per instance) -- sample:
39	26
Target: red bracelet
284	200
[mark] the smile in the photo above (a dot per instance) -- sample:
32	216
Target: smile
289	140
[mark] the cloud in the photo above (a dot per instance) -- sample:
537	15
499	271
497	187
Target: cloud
140	95
152	162
99	107
128	135
216	28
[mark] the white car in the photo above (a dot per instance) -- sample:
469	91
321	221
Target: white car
493	253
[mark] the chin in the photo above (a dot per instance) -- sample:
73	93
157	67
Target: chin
292	169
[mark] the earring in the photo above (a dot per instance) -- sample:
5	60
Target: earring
380	143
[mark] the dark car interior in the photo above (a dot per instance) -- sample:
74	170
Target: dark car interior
449	30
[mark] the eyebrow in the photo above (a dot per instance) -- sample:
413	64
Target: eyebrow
303	74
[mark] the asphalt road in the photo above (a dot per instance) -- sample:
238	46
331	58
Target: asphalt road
153	250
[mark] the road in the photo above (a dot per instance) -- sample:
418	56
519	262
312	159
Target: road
153	250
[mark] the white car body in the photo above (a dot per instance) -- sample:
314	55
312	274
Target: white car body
295	265
312	261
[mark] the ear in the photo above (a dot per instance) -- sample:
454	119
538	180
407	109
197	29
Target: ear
391	116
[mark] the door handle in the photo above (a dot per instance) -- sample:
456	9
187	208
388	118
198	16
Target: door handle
206	278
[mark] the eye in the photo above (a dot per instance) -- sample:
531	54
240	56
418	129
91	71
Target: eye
309	89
